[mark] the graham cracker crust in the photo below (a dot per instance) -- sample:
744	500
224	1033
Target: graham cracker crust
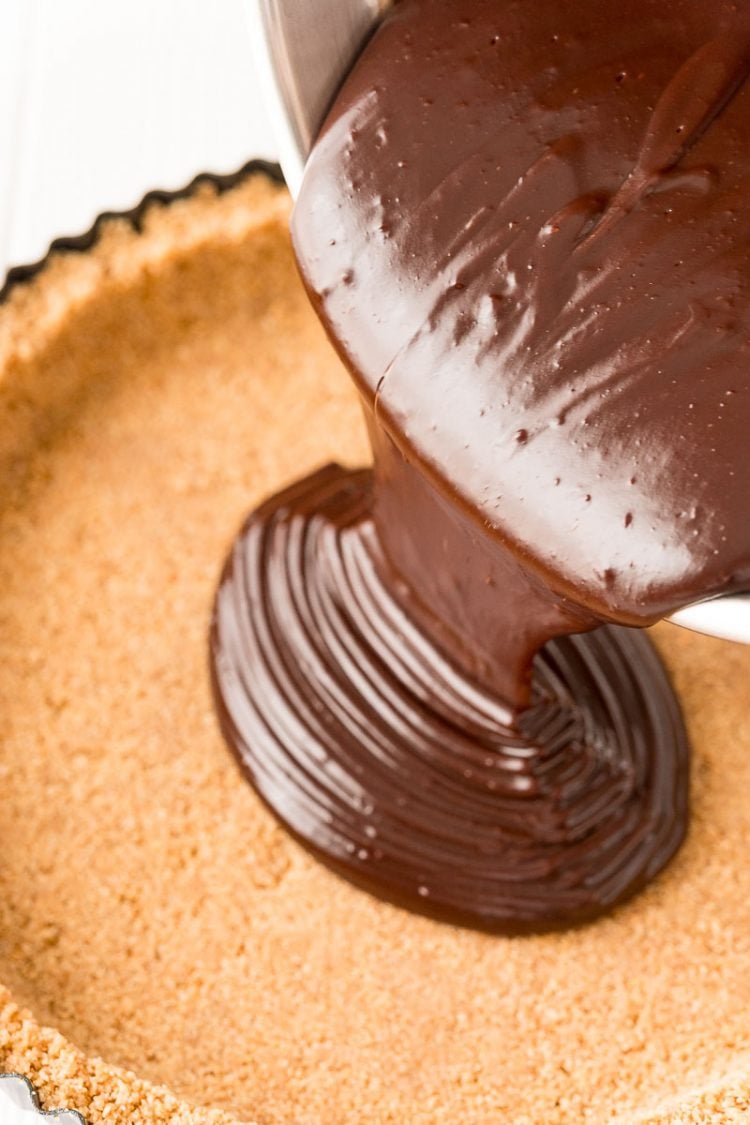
152	390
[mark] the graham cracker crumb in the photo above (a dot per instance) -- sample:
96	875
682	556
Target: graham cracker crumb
152	391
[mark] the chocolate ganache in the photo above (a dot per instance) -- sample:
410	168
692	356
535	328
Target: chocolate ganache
524	226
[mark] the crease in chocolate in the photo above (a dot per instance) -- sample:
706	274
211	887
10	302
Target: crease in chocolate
696	97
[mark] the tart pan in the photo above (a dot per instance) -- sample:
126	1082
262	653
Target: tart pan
167	953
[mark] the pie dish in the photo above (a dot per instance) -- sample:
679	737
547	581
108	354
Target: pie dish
167	952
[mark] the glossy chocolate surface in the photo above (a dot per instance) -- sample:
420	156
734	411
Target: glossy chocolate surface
403	773
525	227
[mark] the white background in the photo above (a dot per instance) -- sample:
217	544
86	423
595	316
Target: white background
102	100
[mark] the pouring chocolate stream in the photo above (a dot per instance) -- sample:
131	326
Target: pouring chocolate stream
526	237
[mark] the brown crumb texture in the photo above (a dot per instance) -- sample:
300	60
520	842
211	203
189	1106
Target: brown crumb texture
65	1078
151	911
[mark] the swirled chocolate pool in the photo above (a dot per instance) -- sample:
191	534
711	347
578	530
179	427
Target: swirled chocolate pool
525	227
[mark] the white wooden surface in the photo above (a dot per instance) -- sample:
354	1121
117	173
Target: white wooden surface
102	100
